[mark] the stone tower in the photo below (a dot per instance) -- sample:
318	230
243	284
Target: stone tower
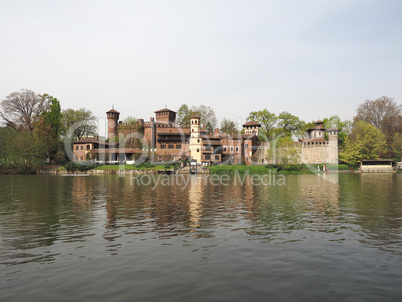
195	138
112	122
332	149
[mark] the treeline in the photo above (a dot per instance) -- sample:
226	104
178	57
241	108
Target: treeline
35	127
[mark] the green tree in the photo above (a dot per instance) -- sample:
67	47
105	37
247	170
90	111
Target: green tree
344	127
365	142
130	120
283	151
81	121
229	127
209	129
45	140
52	113
396	145
267	120
6	139
290	124
183	116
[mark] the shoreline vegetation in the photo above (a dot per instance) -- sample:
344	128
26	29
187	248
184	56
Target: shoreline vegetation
147	167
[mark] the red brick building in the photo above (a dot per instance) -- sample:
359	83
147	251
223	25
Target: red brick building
162	140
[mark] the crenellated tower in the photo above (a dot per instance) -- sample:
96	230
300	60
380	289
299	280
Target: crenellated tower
112	122
332	151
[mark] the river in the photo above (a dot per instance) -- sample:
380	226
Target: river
201	238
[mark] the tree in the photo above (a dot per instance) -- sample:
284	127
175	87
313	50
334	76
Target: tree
229	127
396	145
22	109
283	151
130	120
52	114
206	113
365	142
45	141
267	120
183	116
383	113
209	129
6	135
290	124
344	127
81	122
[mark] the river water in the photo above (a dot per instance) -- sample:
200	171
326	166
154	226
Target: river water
201	238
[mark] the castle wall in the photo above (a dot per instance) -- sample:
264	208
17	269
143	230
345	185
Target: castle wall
324	153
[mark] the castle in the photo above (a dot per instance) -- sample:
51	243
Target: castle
161	140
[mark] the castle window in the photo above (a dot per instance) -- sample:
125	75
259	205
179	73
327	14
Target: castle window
198	150
198	140
76	147
171	146
178	146
88	147
217	157
82	147
192	130
231	148
224	149
237	149
163	146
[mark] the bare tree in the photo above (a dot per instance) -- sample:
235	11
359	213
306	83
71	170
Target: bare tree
382	113
22	109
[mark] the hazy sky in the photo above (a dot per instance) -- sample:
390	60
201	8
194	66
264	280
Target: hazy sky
313	58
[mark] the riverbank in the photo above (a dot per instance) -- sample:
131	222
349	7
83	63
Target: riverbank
169	169
281	169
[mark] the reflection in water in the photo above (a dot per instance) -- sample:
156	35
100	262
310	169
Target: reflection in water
191	238
40	211
194	198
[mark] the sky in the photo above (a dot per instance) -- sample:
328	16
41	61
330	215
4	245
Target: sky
312	58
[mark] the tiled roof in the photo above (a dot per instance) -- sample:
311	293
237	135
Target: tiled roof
252	123
318	127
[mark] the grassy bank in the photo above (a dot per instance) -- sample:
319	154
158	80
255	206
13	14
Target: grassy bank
284	169
131	167
221	169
